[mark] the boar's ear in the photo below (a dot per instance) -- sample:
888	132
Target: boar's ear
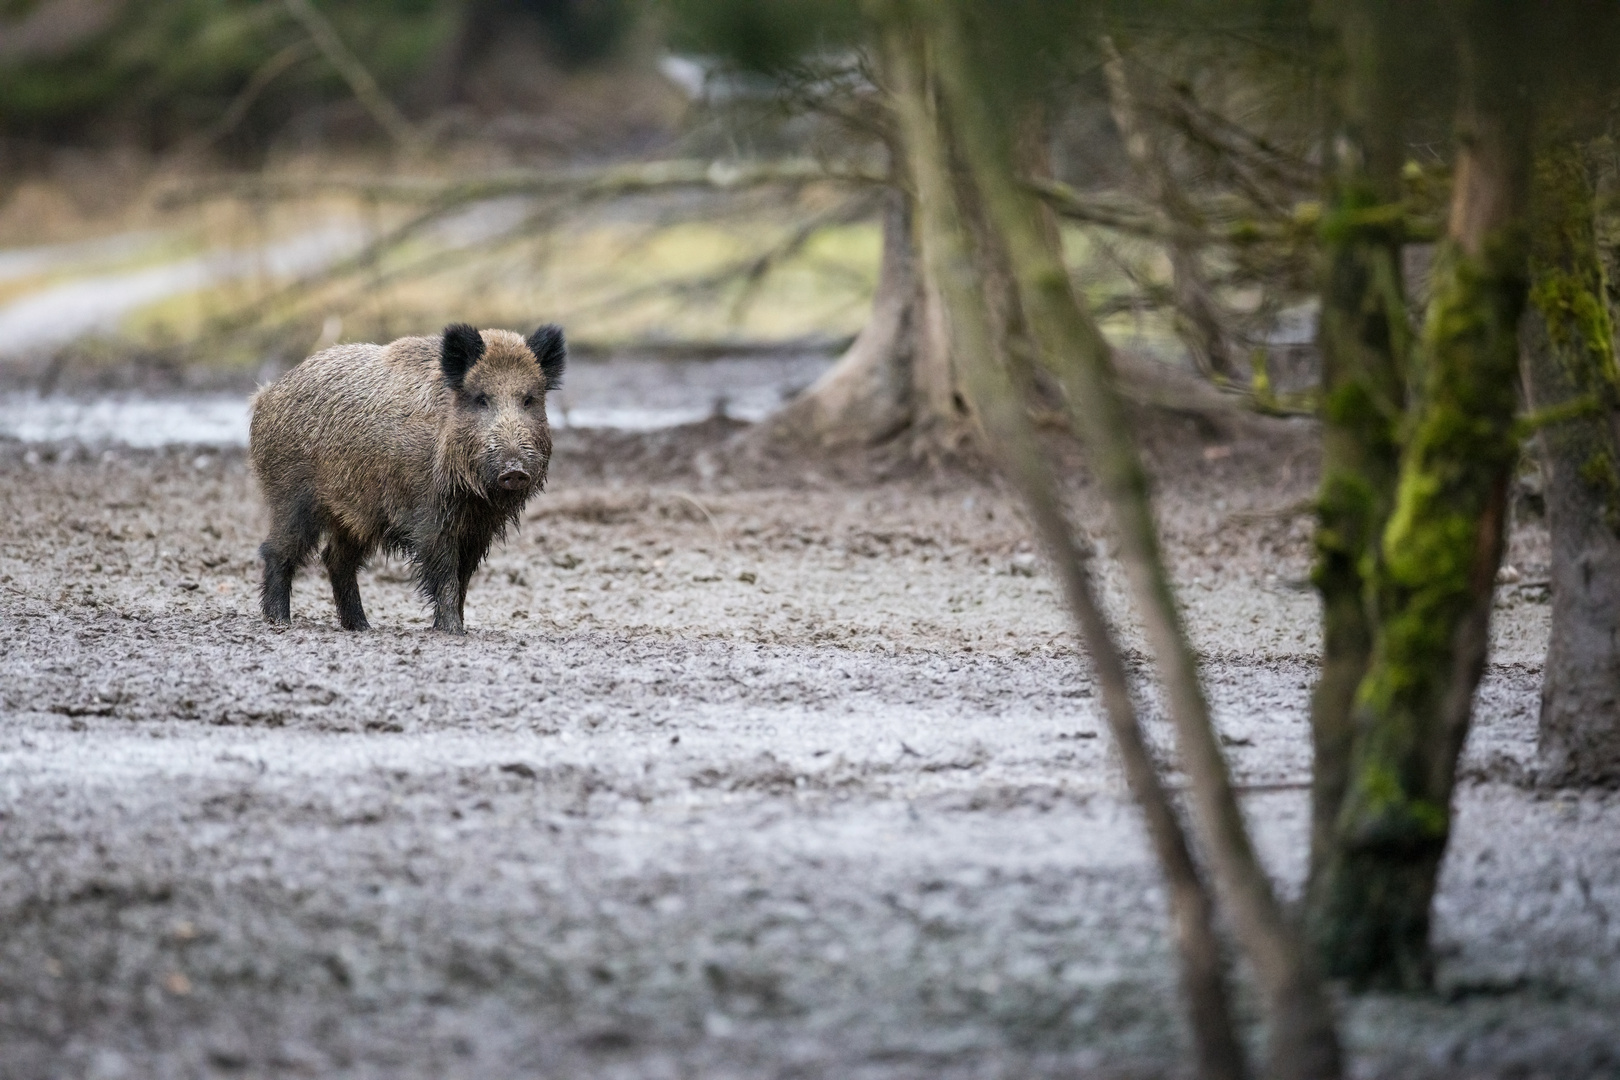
551	350
463	345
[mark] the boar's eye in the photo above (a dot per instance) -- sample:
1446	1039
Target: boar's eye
528	401
481	401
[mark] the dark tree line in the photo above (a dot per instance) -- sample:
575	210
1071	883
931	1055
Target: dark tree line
161	73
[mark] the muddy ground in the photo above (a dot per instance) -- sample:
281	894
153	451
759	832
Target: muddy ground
747	768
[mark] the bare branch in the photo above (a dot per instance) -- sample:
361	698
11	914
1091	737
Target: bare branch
267	73
1200	322
849	211
355	73
1233	142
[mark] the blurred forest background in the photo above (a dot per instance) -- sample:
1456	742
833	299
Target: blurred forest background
299	171
115	117
1004	220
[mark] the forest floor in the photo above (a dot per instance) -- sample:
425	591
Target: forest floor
747	768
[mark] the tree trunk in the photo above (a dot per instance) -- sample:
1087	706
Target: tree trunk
1303	1042
898	376
980	299
1365	338
1443	542
1571	376
865	398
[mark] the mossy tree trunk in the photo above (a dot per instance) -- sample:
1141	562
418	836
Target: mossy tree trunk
1572	379
1443	542
1365	339
1303	1041
967	259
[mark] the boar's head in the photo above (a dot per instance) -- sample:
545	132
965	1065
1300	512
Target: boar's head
498	411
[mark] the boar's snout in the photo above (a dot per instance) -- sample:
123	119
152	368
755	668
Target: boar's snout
514	477
514	458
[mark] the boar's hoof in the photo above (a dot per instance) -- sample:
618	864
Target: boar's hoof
513	479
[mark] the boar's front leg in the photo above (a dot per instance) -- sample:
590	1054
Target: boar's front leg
447	601
343	556
444	584
474	546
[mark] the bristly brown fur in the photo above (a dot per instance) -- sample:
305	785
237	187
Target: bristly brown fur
428	447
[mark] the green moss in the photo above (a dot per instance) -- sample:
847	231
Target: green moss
1568	292
1429	571
1567	285
1260	375
1398	818
1598	473
1366	343
1585	407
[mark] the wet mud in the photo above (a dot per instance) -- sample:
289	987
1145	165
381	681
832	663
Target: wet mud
747	768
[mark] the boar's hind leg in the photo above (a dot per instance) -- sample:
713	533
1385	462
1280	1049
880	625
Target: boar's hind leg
343	556
292	538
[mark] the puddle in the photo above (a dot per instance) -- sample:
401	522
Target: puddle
644	394
212	421
624	394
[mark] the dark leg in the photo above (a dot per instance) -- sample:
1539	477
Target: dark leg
343	558
474	547
448	600
292	538
465	576
443	584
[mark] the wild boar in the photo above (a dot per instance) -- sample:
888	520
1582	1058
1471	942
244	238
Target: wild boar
427	447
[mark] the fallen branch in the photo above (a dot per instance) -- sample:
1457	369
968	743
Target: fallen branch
613	180
748	271
845	213
701	349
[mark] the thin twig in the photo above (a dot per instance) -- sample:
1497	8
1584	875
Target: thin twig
713	524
